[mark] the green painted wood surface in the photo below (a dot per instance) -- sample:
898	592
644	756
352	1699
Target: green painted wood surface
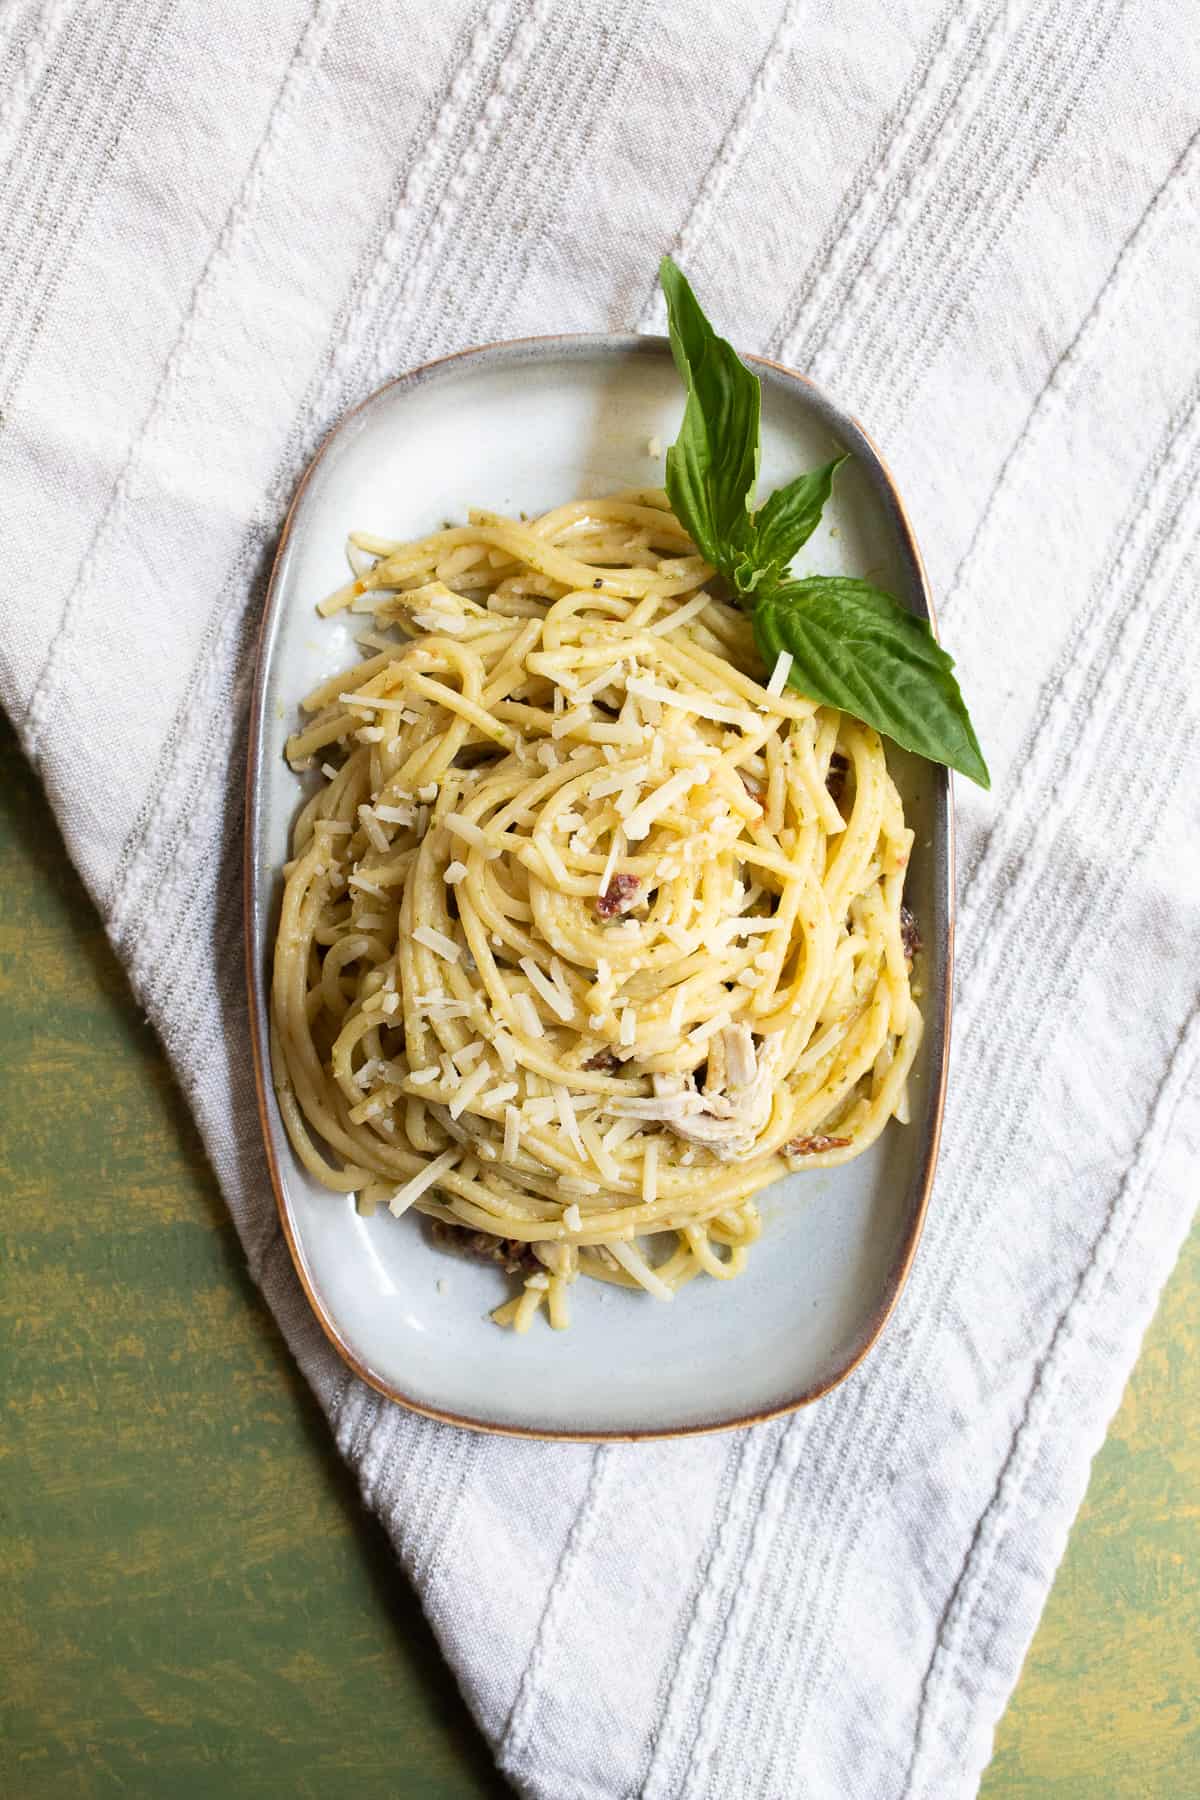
195	1604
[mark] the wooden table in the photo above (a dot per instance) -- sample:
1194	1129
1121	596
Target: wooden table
194	1602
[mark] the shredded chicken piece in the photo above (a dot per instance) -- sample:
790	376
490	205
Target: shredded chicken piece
741	1060
668	1084
714	1074
728	1118
659	1109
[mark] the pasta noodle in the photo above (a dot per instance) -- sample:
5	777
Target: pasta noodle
590	931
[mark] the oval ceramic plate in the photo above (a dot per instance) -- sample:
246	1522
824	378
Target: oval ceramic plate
522	427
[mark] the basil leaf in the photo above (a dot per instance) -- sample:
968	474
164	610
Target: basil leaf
852	646
713	464
788	519
856	648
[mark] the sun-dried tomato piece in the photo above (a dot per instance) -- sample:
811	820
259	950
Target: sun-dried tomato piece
620	894
910	935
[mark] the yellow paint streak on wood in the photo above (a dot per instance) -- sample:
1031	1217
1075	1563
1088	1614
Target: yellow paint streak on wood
193	1602
1109	1700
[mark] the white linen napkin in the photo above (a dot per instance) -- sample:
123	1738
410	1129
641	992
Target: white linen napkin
975	224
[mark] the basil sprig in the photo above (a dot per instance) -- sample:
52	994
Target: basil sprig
852	646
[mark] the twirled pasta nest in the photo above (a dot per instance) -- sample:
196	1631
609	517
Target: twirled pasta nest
589	934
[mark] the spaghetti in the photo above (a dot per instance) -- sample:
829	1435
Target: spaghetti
589	933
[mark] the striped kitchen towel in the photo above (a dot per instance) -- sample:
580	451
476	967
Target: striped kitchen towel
975	223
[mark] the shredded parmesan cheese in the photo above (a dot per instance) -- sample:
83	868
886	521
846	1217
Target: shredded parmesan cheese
437	941
370	825
566	1117
527	1016
644	814
567	722
616	851
650	1171
780	673
559	1002
468	1090
420	1184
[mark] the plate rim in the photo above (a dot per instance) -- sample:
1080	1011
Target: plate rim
551	345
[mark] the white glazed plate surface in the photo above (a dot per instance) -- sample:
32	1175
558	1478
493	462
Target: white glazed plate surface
523	427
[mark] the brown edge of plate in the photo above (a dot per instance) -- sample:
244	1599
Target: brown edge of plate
258	987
